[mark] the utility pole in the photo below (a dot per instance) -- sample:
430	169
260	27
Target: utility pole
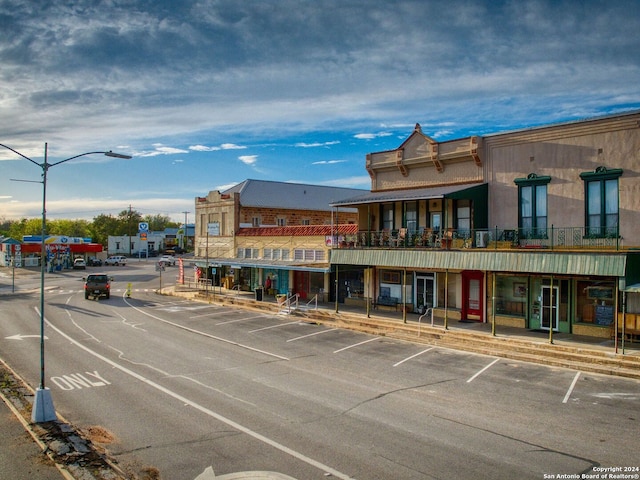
185	238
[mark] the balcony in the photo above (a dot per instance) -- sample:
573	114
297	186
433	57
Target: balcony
553	238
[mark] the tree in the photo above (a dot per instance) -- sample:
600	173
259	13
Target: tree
158	223
101	227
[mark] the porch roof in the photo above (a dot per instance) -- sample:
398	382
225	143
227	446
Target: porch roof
272	264
624	264
450	191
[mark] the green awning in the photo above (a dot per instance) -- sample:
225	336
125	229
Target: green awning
624	264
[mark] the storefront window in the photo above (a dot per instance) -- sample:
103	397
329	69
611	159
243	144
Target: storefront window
511	296
595	302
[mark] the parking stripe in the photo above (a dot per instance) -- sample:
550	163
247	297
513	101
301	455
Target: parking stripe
312	334
481	371
356	344
412	356
573	384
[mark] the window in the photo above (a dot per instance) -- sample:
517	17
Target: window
601	202
255	221
411	217
463	215
387	216
305	221
282	222
532	206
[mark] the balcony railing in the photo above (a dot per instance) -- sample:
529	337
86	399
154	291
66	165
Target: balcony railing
553	238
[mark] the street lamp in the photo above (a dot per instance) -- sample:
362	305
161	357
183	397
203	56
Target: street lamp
43	410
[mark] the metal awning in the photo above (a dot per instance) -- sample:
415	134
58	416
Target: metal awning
451	191
624	264
257	263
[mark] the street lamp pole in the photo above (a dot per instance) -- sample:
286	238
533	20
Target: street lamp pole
43	409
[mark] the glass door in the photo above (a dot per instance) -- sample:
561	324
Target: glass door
424	292
550	303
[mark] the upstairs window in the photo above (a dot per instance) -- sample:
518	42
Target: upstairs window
532	206
601	202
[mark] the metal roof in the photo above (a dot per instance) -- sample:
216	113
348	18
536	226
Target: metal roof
404	195
273	264
299	196
596	264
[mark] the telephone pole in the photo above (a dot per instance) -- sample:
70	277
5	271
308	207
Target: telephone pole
185	238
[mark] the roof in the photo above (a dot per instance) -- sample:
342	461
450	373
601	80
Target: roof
298	230
298	196
613	265
405	195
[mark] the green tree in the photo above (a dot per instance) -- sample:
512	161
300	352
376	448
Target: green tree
128	222
31	226
101	227
158	223
71	228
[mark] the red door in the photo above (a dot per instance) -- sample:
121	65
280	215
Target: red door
301	282
473	295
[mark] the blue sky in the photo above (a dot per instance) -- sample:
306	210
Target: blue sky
207	93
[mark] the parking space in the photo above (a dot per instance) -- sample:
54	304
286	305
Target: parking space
479	377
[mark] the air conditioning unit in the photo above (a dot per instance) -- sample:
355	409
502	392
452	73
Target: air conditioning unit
482	238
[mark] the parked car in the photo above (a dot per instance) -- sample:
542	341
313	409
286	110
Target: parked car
97	285
116	260
79	264
94	262
167	259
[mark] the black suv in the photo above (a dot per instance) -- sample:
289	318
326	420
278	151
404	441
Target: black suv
97	285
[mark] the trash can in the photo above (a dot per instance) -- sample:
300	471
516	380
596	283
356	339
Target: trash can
259	293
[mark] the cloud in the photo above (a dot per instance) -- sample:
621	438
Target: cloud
248	159
161	150
317	144
224	146
371	136
328	162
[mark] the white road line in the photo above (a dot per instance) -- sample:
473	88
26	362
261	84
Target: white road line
573	384
241	428
273	326
357	344
412	356
481	371
204	334
312	334
243	319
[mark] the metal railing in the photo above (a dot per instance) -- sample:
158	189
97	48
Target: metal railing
559	238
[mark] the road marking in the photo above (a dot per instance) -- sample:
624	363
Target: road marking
243	319
20	337
273	326
312	334
241	428
481	371
573	384
204	334
412	356
357	344
79	381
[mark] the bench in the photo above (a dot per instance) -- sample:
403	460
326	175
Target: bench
386	301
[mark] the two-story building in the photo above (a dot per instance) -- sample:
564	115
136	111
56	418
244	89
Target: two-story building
537	228
274	235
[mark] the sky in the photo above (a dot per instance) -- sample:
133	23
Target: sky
205	94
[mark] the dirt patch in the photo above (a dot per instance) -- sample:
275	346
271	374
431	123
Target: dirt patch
98	434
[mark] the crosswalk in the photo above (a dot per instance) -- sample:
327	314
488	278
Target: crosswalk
60	291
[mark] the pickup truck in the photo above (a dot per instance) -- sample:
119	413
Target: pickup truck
97	285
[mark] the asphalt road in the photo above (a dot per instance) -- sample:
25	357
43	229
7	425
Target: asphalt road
180	386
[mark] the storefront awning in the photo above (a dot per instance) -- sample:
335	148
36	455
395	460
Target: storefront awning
256	263
452	191
622	265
